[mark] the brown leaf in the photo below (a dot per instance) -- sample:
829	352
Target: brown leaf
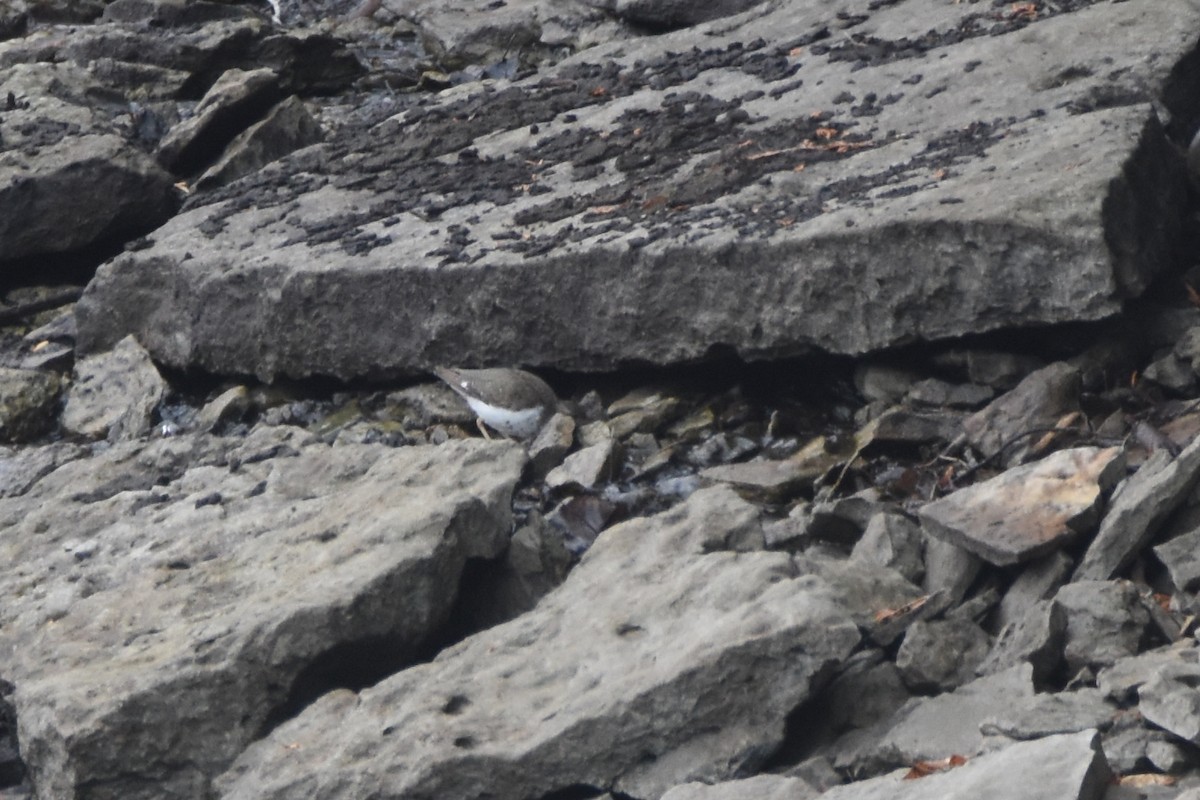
923	768
1145	779
886	614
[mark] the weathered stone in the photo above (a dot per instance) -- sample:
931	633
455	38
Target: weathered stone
229	406
935	392
905	426
225	573
1038	581
929	728
1036	637
287	127
28	403
551	444
1027	511
1058	712
235	101
1037	402
1138	506
644	666
882	382
1105	622
1121	680
949	569
114	394
600	270
761	787
1171	700
1065	767
894	541
942	654
1001	371
1171	372
1181	557
68	178
765	480
844	519
867	691
585	468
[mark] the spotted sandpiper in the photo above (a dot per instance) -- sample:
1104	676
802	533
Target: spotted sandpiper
514	402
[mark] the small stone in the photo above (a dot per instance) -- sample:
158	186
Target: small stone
893	540
935	392
551	443
770	481
1036	638
879	382
1171	700
229	406
586	468
1001	371
899	425
1181	557
1050	714
1171	372
114	394
941	655
1038	401
1105	622
1027	511
593	433
1038	581
28	403
949	569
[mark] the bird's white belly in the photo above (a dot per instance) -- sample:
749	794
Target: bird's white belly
519	424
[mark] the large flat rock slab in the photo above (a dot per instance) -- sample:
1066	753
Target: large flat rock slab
788	178
664	657
164	602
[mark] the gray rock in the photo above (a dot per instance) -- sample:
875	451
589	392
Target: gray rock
221	583
624	679
935	392
1121	680
237	99
114	394
949	569
1171	700
586	468
1059	712
551	444
1038	581
942	654
229	406
1065	767
867	691
287	127
1181	557
1037	638
69	179
894	541
768	480
930	728
28	403
883	383
901	425
1037	402
600	270
844	519
1138	507
1027	511
878	599
999	370
1171	372
1105	622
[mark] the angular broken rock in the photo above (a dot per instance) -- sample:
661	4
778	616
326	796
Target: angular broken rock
1171	700
1105	622
1138	507
671	185
1064	767
1036	403
622	676
1027	511
220	582
114	394
287	127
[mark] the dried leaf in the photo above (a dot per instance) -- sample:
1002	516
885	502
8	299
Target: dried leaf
1145	779
1192	294
923	768
891	613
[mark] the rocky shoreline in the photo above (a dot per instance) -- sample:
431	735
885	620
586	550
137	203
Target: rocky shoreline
877	473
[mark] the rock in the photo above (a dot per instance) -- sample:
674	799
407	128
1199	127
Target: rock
68	179
761	787
287	127
1105	622
1171	372
905	426
1036	637
586	468
231	580
930	728
227	407
1138	506
949	569
236	100
964	251
1037	402
883	383
878	599
1179	556
1171	700
1121	680
613	641
552	443
894	541
1065	767
934	392
941	655
999	370
844	519
1049	714
1027	511
1038	581
114	394
28	403
867	691
769	481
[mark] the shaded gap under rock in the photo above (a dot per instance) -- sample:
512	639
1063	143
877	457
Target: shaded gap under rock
359	664
74	268
12	768
579	791
804	727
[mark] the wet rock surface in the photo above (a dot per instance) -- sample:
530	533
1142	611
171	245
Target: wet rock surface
958	567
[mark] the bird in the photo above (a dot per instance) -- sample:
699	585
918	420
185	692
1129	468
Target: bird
513	402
